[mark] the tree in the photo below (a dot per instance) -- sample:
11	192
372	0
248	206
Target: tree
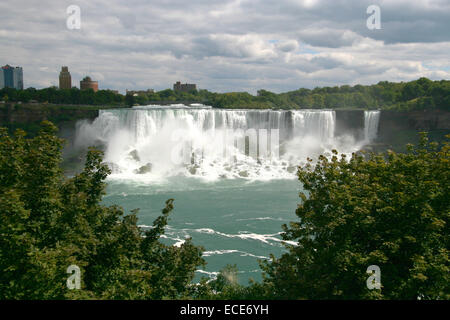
412	90
130	100
226	287
387	210
50	222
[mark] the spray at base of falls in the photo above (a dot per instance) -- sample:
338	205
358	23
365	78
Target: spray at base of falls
151	143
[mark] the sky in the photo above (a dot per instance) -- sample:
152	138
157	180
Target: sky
225	46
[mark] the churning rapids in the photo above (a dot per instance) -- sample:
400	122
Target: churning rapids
151	143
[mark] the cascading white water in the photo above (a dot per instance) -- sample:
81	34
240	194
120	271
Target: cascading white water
156	142
371	120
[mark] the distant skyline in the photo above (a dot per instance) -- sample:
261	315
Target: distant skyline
223	46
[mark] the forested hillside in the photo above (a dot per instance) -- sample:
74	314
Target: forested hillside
414	95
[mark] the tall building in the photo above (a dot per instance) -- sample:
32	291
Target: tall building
184	87
87	83
11	77
18	78
8	73
65	80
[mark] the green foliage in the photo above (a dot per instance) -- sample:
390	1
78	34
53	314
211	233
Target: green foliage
50	222
129	100
64	96
414	95
226	287
388	210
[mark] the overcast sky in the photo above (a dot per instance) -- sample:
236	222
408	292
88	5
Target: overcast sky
241	45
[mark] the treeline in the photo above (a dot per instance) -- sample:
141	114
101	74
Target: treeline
403	96
389	210
414	95
62	96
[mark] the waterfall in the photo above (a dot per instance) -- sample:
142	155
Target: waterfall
156	141
371	120
320	124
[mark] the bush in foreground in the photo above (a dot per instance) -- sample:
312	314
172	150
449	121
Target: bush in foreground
49	222
387	210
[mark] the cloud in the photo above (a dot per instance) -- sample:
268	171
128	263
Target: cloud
235	45
287	45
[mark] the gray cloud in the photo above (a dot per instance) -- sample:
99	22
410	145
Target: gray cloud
227	46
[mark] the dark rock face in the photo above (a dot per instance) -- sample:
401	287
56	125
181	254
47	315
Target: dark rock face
422	120
134	155
394	123
350	122
27	114
144	169
396	129
243	174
